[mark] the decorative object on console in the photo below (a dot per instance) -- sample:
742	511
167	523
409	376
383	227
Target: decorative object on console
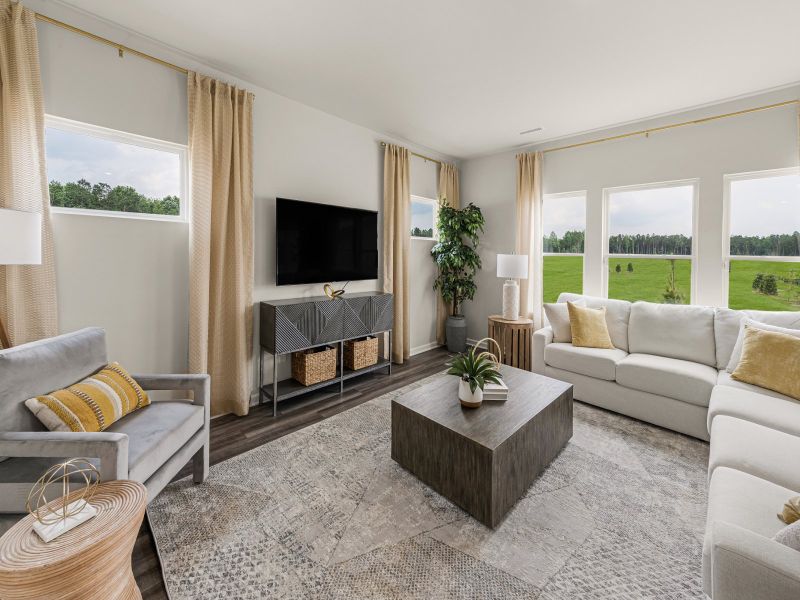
314	365
770	360
474	370
332	293
514	337
359	354
54	518
589	327
20	244
511	267
791	511
457	260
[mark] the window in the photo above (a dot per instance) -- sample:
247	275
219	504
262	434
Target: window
95	170
423	218
762	242
563	230
650	232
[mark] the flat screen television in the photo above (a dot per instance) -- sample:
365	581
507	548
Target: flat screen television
320	243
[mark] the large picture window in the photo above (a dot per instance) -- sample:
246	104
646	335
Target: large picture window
762	245
424	212
563	230
650	242
100	171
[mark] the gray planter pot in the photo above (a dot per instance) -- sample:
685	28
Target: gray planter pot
456	329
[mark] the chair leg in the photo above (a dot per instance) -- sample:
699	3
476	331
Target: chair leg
200	465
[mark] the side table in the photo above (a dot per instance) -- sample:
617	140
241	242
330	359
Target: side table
90	562
514	338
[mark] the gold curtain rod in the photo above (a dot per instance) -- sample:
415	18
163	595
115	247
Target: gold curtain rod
422	156
647	132
120	48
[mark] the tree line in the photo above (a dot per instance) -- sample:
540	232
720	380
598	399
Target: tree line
101	196
741	245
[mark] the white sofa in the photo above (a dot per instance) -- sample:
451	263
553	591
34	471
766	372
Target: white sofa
669	369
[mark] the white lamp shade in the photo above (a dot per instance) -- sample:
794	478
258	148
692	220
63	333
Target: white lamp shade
20	237
512	266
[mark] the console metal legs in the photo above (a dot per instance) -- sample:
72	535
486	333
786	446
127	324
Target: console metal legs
274	385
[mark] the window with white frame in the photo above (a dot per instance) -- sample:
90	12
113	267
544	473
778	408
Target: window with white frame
563	232
101	171
762	240
651	242
424	212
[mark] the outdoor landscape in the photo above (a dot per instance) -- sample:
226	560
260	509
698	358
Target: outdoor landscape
101	196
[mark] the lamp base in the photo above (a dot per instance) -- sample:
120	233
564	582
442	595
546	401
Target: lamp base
511	300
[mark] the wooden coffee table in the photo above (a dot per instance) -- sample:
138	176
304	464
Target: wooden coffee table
483	459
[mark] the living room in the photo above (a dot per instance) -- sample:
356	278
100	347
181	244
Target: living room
304	218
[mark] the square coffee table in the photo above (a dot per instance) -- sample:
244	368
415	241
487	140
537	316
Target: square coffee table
483	459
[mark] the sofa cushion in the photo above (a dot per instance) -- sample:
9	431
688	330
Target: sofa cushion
727	322
600	363
781	414
617	315
156	432
676	331
724	378
680	379
745	501
755	449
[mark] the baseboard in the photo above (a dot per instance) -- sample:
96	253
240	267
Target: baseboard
424	348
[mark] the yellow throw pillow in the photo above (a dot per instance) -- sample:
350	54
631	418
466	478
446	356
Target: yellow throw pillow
770	360
589	328
92	404
791	511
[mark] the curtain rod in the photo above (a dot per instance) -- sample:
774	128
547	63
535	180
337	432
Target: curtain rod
422	156
647	132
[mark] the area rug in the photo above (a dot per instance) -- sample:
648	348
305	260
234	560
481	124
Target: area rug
325	513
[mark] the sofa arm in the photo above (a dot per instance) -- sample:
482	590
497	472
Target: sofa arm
748	566
541	338
111	448
199	385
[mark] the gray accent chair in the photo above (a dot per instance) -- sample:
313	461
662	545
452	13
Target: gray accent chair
149	445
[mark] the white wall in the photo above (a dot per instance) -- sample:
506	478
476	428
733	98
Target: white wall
131	276
752	142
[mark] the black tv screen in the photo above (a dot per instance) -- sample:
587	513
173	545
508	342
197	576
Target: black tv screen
320	243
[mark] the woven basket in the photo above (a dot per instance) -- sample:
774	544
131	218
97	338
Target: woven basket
314	365
360	353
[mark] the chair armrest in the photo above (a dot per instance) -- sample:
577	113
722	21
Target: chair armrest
747	566
541	338
111	448
198	384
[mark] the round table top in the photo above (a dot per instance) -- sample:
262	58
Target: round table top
520	321
118	503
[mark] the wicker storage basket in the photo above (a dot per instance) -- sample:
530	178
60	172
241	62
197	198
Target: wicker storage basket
314	365
360	353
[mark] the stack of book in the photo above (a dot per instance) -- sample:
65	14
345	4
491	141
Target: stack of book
495	391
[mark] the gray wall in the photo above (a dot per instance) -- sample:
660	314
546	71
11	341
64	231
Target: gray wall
753	142
131	276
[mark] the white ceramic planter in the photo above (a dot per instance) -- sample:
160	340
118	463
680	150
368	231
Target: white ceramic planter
467	397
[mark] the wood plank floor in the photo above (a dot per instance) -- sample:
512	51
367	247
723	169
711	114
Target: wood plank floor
231	435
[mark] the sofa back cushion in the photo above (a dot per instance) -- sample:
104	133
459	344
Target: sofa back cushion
40	367
678	331
617	315
727	322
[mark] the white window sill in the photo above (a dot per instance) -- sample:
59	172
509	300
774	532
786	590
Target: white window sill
60	210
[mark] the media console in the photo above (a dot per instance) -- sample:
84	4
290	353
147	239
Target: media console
300	323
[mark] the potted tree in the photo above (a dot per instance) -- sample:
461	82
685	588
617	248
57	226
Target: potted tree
457	259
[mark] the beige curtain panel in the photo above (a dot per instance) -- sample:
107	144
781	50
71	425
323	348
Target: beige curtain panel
529	217
27	292
221	264
396	240
449	192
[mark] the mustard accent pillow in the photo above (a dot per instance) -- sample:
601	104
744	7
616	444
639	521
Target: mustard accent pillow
588	325
791	511
770	360
92	404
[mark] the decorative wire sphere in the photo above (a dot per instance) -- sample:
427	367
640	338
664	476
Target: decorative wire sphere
59	475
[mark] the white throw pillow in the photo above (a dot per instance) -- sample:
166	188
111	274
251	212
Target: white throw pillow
736	355
789	536
558	317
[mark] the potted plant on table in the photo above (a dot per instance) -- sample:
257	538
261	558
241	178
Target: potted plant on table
457	259
474	369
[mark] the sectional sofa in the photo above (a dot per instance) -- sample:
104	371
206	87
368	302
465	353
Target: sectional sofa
669	368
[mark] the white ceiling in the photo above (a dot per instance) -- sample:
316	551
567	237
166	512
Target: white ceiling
466	76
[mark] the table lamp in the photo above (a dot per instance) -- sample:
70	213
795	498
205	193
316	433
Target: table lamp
20	244
512	267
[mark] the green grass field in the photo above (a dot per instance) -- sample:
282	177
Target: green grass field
649	280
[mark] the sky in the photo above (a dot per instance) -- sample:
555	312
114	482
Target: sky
775	197
421	215
562	214
72	156
662	211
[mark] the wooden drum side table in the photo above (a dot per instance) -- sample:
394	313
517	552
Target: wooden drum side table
514	338
90	562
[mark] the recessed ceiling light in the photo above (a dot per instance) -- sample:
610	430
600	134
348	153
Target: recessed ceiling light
534	130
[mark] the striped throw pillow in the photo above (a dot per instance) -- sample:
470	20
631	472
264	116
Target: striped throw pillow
92	404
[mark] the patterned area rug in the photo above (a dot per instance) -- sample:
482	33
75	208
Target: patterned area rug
325	513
